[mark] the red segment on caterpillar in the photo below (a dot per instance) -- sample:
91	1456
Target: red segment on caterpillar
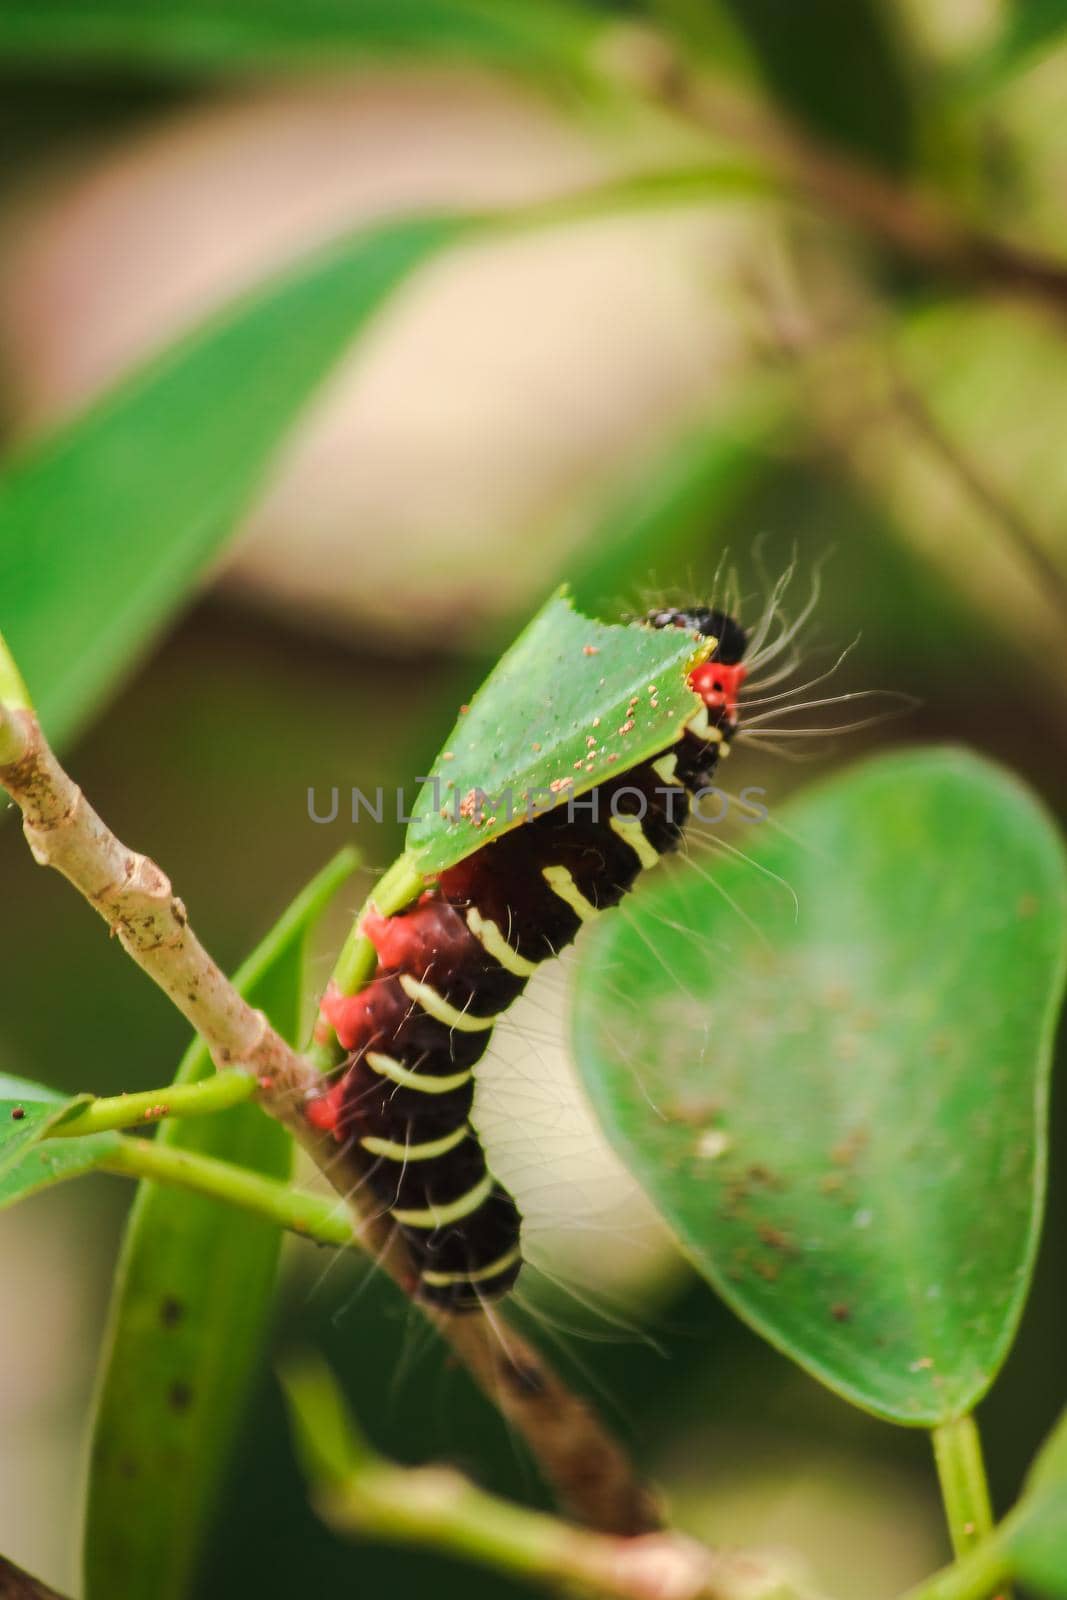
431	936
346	1015
323	1112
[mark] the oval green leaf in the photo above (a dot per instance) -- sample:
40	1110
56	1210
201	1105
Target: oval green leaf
572	702
191	1303
28	1160
293	35
841	1110
115	516
27	1111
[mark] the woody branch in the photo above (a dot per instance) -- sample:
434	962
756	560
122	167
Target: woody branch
590	1473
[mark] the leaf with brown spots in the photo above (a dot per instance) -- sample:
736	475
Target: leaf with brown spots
553	685
873	1211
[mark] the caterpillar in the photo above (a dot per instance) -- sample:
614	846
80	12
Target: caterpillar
452	963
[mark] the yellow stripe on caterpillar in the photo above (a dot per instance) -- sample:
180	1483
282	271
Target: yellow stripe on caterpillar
414	1152
424	1082
454	1211
562	884
665	768
441	1280
630	831
493	942
435	1005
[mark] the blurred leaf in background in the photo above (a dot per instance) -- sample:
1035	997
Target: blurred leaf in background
219	34
870	108
624	401
158	472
190	1311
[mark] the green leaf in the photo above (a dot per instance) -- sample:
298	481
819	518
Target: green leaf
52	1161
295	34
871	107
191	1304
27	1111
1035	1535
841	1110
104	529
1050	1469
1033	29
29	1161
565	681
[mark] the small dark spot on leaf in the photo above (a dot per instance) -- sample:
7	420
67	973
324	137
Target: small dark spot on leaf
179	1396
840	1312
171	1311
1026	905
17	1113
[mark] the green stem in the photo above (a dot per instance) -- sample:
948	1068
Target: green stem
644	191
310	1215
357	959
149	1105
13	691
435	1508
359	1491
964	1491
976	1576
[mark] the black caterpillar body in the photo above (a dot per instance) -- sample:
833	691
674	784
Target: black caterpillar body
453	962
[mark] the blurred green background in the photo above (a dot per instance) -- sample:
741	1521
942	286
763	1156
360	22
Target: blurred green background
619	399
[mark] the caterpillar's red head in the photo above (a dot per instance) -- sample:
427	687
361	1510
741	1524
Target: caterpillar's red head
718	684
717	680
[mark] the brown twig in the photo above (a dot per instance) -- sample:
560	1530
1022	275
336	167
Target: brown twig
909	220
136	901
856	391
18	1585
586	1467
590	1473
